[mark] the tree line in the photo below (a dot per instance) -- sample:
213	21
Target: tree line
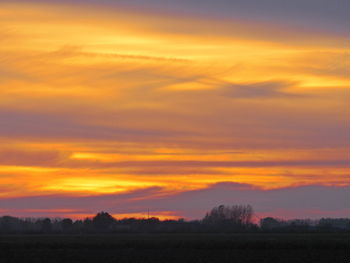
221	219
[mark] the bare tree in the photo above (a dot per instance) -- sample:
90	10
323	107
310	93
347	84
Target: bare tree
235	214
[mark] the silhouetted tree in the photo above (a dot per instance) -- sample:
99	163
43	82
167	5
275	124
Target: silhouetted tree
236	218
87	225
239	215
67	225
270	223
46	225
334	224
10	224
78	226
102	221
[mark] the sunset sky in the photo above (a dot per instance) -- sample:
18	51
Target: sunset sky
175	107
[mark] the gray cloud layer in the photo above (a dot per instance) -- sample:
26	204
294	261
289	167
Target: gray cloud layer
308	201
313	14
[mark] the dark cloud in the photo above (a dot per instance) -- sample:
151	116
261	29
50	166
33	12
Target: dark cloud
150	167
263	90
89	203
306	201
299	163
297	200
38	125
319	15
28	158
208	164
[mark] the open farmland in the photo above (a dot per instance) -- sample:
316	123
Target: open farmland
177	248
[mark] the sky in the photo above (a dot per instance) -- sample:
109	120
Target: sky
174	107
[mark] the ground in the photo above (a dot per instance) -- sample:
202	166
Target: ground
182	248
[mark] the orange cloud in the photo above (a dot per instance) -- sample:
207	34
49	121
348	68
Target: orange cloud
96	103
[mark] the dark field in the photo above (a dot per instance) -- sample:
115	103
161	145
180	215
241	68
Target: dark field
177	248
